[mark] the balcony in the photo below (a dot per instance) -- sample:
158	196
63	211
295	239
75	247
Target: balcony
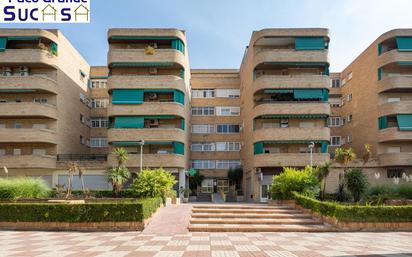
28	109
395	159
292	108
152	160
395	84
147	109
278	134
402	107
288	159
394	134
290	55
28	136
148	134
28	162
133	32
32	83
291	82
27	56
394	56
146	82
168	57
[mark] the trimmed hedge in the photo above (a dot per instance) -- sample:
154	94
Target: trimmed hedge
132	210
356	213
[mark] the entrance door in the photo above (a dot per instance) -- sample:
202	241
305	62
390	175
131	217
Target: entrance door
264	193
223	185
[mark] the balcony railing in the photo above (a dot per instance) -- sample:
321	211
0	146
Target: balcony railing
82	157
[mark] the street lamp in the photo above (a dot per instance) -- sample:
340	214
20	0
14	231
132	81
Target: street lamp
141	143
311	146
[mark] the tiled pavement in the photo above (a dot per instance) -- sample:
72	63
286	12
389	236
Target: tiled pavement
59	244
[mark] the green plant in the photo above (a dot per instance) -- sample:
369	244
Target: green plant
291	180
343	156
356	213
23	187
121	155
356	182
322	172
405	191
186	192
153	183
367	153
117	176
195	181
235	176
129	210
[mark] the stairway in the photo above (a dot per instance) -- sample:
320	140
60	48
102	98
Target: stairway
252	218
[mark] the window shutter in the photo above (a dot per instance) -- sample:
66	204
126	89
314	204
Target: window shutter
310	43
178	148
127	96
404	121
258	148
129	122
3	44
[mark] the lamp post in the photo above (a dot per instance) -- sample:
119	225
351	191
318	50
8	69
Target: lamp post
141	143
311	146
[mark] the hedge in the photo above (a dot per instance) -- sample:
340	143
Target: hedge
131	210
356	213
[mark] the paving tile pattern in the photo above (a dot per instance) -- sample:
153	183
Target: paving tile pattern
197	244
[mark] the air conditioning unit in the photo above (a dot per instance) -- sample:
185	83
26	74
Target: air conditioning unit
152	96
7	71
24	71
153	71
154	122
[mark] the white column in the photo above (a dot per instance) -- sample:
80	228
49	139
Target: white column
182	181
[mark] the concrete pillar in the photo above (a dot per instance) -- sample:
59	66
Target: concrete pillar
182	181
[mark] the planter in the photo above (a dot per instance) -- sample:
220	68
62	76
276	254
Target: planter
168	201
192	198
240	198
185	200
176	201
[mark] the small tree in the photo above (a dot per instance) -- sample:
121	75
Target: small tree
343	156
235	176
322	172
357	183
195	181
119	175
72	168
367	153
153	183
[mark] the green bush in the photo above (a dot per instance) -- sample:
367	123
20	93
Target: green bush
405	191
356	213
23	187
294	180
391	191
131	210
153	183
357	183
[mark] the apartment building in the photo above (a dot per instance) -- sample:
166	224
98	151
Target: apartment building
376	91
43	112
284	103
149	98
215	127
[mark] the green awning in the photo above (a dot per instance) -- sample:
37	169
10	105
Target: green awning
383	122
127	96
129	122
310	43
179	97
182	124
296	116
53	48
379	73
404	44
178	148
308	94
125	143
3	44
178	45
159	117
191	172
16	90
141	64
404	121
278	91
405	63
24	38
258	148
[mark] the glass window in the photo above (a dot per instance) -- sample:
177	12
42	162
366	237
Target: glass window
203	111
203	93
98	142
334	121
99	122
227	164
335	83
203	164
227	128
394	173
203	129
207	186
335	141
227	146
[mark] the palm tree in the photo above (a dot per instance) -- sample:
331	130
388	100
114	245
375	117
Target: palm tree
121	155
322	172
343	156
119	175
367	153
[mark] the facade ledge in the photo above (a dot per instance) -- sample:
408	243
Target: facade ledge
32	82
152	160
288	159
28	162
395	159
278	134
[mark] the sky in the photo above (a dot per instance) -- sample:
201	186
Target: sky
218	31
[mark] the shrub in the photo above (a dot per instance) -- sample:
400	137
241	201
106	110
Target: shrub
356	213
357	183
405	191
131	210
381	190
153	183
293	180
23	187
117	176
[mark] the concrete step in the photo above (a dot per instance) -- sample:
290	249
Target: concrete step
251	215
307	221
256	211
259	228
240	206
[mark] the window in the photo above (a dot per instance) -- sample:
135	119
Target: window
349	139
203	111
271	150
82	76
227	164
39	152
227	128
334	122
203	93
40	100
99	123
82	140
82	119
2	152
394	149
284	123
335	141
228	146
335	83
98	142
203	164
207	186
18	125
335	102
228	93
228	111
98	84
349	97
202	147
99	103
350	75
349	118
16	151
394	173
393	99
203	129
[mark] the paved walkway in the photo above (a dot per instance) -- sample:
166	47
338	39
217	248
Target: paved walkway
120	244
